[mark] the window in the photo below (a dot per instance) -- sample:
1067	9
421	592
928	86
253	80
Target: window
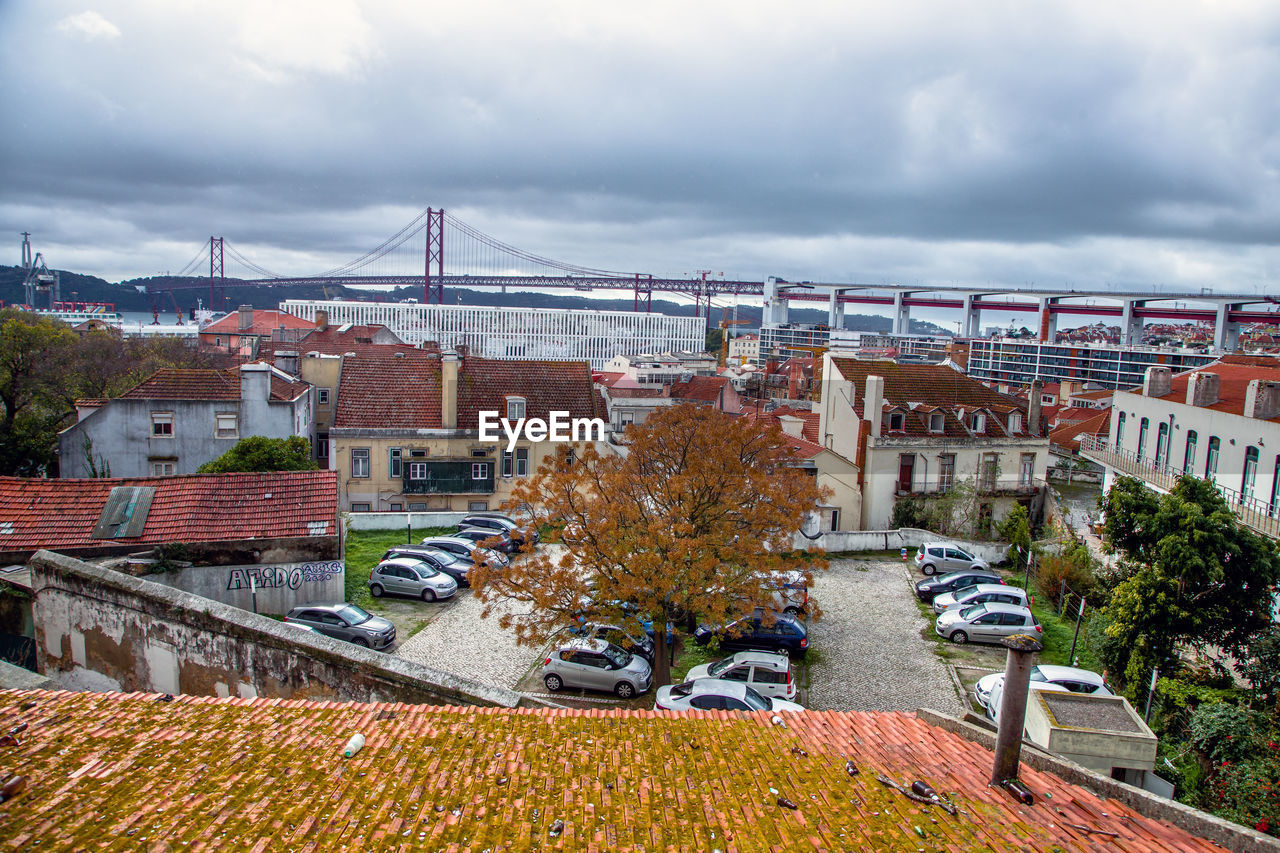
217	341
1162	444
477	506
937	422
395	463
1275	490
1143	427
1026	469
162	424
835	519
515	408
987	474
1120	430
322	396
417	470
946	471
522	462
1250	473
1015	422
359	463
897	421
906	472
226	425
360	507
1211	458
978	423
1189	455
508	463
395	507
417	507
626	418
567	456
163	469
322	446
479	453
480	470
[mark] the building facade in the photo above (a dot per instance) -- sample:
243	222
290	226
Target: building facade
1019	362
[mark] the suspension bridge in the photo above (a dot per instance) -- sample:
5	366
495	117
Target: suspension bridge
475	259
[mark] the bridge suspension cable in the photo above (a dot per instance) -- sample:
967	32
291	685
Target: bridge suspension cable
196	262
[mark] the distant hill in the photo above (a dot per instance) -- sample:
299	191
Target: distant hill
129	296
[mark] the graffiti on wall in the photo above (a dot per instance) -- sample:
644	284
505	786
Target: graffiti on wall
291	576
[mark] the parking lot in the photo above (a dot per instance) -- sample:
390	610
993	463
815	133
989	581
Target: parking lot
866	653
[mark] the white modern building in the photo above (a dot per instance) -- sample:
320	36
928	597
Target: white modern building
1220	423
518	333
1019	361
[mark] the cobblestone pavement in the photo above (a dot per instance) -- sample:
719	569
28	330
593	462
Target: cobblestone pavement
871	656
460	642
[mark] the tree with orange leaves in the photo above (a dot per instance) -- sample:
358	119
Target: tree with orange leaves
695	516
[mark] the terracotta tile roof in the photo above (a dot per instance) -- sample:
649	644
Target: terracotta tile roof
331	341
811	420
61	514
1068	434
1234	375
129	771
382	391
202	384
265	321
699	389
1092	395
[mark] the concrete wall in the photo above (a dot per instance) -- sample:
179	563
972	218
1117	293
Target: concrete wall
402	520
97	629
894	540
280	586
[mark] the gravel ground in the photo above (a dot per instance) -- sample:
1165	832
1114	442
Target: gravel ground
871	655
460	642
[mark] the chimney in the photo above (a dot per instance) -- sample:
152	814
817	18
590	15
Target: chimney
1066	389
322	320
1202	388
1023	649
255	381
449	390
1262	399
246	317
1033	407
464	351
873	404
1157	382
791	425
793	383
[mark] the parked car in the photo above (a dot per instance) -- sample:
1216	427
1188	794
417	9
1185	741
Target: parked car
977	594
986	623
596	665
498	523
767	673
465	548
411	576
790	592
482	537
1072	678
716	694
345	621
934	557
784	634
629	635
993	702
929	588
442	561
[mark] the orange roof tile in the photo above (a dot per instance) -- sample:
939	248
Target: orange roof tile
265	321
204	384
130	771
61	514
1235	372
699	389
1068	434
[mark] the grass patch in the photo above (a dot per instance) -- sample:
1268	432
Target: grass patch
691	655
365	548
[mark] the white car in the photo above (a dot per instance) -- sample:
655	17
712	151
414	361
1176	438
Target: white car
993	702
979	593
768	673
716	694
1069	677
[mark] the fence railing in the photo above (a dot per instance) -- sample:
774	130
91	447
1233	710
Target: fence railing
983	485
1261	515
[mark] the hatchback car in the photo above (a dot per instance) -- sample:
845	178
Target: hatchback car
483	537
997	696
1072	678
716	694
499	524
630	636
596	665
467	549
345	621
986	623
443	561
934	557
977	594
411	576
928	588
766	673
784	634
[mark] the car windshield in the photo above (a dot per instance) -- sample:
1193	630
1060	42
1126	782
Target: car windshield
756	702
973	612
426	570
719	666
1037	675
353	615
964	592
617	656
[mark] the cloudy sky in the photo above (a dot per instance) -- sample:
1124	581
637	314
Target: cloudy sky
1049	143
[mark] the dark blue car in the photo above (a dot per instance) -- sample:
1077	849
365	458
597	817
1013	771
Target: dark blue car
784	634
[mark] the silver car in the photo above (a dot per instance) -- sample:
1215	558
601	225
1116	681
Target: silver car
986	623
716	694
465	549
344	621
979	593
935	557
596	665
408	576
